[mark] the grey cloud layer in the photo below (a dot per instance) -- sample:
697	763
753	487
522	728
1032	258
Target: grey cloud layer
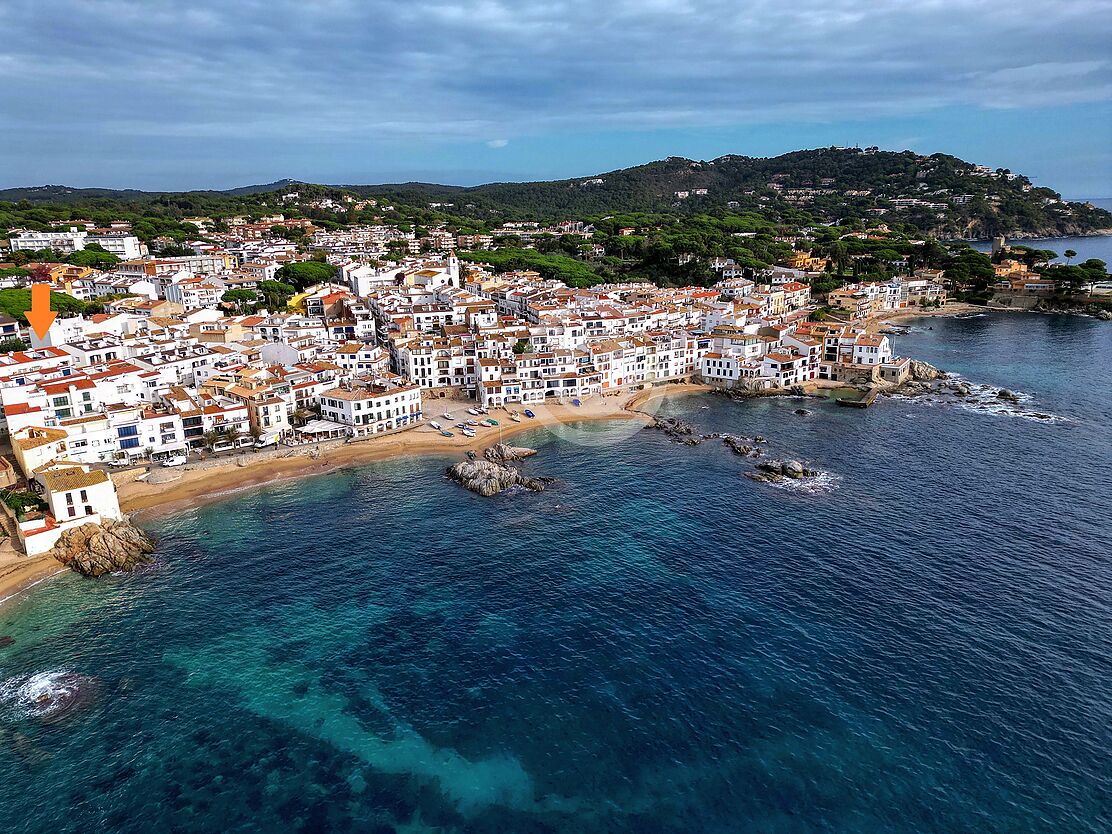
344	70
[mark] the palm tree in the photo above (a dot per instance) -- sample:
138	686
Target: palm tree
231	434
210	439
1070	255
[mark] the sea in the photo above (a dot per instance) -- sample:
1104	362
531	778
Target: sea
919	639
1086	247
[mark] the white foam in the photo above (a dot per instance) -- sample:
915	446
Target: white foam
982	399
819	484
39	694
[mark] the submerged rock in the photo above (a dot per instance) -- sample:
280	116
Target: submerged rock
97	549
6	641
489	478
48	697
501	453
803	412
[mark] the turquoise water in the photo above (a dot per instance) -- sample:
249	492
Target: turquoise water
920	643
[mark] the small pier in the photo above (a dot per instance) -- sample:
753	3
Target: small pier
864	401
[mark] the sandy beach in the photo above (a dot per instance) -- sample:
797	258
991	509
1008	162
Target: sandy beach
952	308
203	483
209	480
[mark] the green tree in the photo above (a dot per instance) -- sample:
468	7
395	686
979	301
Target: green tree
12	344
839	256
240	298
1070	255
210	439
16	303
97	259
276	295
305	274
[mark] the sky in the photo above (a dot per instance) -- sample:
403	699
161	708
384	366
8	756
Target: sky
204	94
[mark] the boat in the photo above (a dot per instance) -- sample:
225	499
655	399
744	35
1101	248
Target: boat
482	410
515	418
490	421
472	411
468	432
576	403
461	425
447	434
472	423
447	416
434	424
529	413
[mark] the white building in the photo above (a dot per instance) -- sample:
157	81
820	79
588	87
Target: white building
64	242
374	408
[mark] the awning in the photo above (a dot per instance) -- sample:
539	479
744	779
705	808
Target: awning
321	427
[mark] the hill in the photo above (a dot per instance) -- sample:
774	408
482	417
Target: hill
938	194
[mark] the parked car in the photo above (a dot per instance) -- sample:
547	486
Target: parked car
176	460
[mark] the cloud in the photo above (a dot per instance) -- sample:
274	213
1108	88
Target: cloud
99	78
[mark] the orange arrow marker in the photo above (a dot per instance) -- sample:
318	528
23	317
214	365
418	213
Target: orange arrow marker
40	316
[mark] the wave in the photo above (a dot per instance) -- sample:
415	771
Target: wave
958	392
47	696
820	484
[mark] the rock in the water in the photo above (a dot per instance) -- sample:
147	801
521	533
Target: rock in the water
677	430
489	478
738	447
97	549
6	641
776	470
501	453
802	412
1007	396
924	371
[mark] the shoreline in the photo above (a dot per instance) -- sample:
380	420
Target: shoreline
950	310
224	477
203	485
20	574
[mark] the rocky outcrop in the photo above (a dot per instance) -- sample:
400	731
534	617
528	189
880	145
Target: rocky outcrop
739	446
97	549
489	478
501	453
778	470
924	371
678	431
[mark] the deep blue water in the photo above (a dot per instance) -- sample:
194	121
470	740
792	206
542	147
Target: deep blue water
657	644
1088	246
